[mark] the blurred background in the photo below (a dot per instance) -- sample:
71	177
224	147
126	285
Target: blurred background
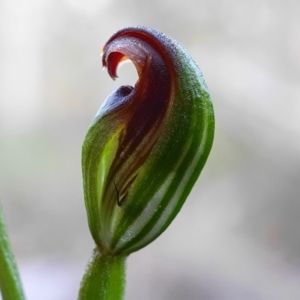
238	235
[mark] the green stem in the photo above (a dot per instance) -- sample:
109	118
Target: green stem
104	278
10	283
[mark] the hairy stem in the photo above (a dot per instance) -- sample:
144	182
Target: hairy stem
104	278
10	283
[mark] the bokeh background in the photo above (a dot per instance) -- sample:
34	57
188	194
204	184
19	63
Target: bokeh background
238	235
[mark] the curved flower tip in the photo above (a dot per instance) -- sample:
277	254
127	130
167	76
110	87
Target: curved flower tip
147	144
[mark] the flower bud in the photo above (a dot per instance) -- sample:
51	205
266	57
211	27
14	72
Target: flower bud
147	144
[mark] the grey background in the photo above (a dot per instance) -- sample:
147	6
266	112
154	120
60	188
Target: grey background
237	237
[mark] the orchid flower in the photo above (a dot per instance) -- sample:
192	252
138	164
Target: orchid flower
142	153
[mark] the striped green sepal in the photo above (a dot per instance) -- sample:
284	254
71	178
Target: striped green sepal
147	144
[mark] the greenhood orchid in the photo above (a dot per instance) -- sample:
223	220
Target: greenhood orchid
141	157
147	144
